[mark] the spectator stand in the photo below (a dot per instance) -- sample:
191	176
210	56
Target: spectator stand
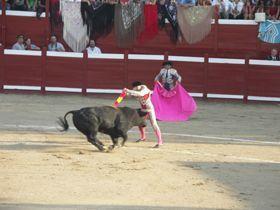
228	38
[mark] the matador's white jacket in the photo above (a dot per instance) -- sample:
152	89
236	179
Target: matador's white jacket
144	97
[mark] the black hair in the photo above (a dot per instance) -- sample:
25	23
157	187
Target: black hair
20	35
167	63
136	83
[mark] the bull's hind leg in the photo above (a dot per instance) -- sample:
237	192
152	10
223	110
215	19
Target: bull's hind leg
94	141
124	136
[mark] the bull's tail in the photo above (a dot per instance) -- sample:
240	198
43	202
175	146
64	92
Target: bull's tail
62	122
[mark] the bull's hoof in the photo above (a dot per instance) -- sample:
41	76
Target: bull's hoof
111	147
105	149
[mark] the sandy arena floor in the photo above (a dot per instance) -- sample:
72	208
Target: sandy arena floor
226	157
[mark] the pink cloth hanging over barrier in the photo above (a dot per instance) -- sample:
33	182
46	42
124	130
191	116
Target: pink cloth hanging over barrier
174	105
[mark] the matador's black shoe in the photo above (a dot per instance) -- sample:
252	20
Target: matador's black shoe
140	140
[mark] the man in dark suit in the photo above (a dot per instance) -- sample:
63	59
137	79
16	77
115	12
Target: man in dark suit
273	55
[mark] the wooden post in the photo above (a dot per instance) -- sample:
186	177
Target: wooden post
43	70
246	75
85	73
205	89
258	43
125	67
1	69
4	23
216	41
47	23
166	56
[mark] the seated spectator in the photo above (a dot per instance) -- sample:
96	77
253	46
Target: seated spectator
274	10
19	5
30	46
92	49
273	55
55	45
237	10
19	45
31	5
249	9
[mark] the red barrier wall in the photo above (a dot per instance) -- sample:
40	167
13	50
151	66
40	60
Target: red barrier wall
263	80
207	77
15	74
106	74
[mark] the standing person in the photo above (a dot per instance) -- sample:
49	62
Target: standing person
273	10
172	103
31	5
168	76
19	5
237	11
143	94
40	8
249	9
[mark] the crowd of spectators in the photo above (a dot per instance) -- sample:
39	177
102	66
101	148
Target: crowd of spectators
25	5
246	9
23	43
228	9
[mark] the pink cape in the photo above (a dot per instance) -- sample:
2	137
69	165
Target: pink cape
173	105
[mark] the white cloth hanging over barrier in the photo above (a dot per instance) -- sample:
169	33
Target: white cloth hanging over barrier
74	32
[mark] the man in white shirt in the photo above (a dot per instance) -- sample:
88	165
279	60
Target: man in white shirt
92	49
19	45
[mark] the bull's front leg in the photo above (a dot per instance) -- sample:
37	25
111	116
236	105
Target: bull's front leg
115	142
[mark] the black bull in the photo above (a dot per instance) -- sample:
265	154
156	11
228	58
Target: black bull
115	122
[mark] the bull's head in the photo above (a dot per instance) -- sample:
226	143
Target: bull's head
142	113
142	117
